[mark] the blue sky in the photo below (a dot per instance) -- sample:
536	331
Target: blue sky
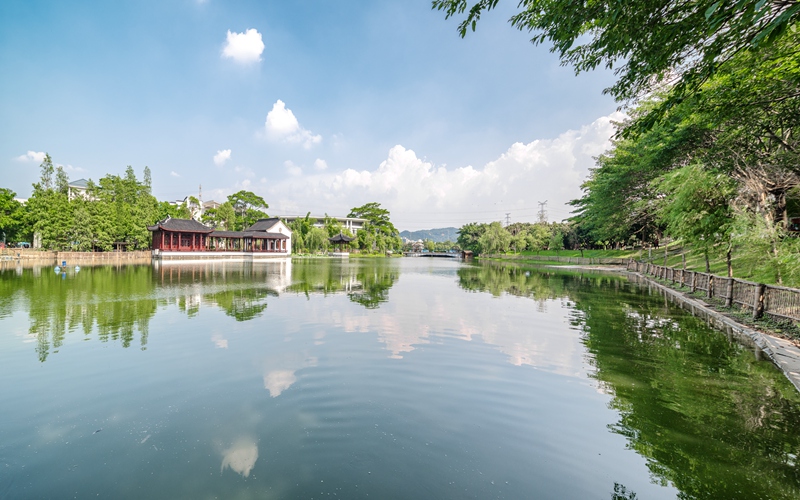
368	101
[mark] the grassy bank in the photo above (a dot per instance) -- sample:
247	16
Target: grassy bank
675	254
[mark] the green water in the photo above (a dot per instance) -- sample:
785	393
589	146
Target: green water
396	378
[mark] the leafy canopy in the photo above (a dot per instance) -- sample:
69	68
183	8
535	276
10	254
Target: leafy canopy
378	217
648	42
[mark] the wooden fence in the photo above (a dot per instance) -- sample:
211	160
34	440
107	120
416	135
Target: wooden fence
32	258
779	302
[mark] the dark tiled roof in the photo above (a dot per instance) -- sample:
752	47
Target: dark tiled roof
80	183
279	236
263	224
248	234
340	238
225	234
181	225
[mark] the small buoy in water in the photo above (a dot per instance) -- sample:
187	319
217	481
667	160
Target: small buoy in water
77	269
57	269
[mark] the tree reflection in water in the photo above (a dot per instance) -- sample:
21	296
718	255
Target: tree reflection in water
365	281
709	417
114	302
118	302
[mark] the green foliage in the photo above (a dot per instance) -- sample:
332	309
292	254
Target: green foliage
556	241
765	250
300	229
116	211
537	237
649	43
316	240
730	148
10	215
378	234
469	236
333	227
495	239
166	209
248	207
222	217
378	217
696	206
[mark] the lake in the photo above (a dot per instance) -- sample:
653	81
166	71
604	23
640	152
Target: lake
378	378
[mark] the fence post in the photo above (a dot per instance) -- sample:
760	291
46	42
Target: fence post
758	303
694	281
729	294
710	286
683	277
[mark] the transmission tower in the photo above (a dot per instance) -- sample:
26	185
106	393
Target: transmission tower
508	219
542	211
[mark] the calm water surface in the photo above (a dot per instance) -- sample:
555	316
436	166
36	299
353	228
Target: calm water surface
375	378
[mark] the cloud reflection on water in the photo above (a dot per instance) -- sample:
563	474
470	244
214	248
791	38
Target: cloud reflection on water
240	457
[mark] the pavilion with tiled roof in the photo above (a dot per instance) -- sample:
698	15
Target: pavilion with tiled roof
187	235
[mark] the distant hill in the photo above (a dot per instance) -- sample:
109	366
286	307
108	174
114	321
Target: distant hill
437	235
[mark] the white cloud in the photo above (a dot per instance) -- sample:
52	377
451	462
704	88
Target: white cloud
292	168
221	157
320	164
244	47
420	194
33	156
282	125
174	174
70	168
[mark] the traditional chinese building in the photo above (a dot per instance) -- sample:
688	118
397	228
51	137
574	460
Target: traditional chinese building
187	239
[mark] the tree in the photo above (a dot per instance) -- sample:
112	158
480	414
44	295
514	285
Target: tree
365	239
300	229
46	167
10	215
556	241
166	209
62	181
249	207
48	212
538	237
333	226
696	206
469	236
317	239
495	239
378	217
221	217
649	43
519	241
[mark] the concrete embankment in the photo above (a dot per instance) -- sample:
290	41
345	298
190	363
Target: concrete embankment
783	353
16	257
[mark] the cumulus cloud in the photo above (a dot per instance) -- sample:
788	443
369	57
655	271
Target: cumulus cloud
221	157
33	156
244	48
423	195
320	164
282	125
70	168
292	168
